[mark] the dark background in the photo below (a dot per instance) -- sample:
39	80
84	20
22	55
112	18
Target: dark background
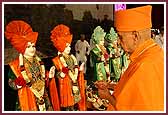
43	19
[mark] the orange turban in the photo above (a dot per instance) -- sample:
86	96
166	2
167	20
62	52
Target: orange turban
133	19
19	33
61	35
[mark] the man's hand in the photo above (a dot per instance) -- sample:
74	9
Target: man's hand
101	84
104	93
104	84
111	86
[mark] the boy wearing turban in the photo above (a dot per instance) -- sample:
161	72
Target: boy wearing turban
70	75
141	87
27	74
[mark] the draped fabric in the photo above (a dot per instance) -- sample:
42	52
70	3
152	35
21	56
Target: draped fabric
65	88
82	102
27	100
98	65
26	97
141	87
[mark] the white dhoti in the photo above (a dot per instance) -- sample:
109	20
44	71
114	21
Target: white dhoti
81	58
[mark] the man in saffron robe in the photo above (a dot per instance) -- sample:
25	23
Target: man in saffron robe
27	73
141	87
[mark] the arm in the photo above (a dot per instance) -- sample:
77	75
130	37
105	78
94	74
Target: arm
76	46
88	47
105	94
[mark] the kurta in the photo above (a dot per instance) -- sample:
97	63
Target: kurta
27	99
141	87
82	50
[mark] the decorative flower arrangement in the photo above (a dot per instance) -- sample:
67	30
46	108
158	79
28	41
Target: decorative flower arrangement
20	81
65	70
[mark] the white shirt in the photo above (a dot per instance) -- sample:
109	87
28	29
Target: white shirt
82	48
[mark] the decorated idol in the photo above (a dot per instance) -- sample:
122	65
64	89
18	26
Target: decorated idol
99	55
115	63
118	61
27	73
70	75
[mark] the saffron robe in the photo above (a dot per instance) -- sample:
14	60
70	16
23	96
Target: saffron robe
141	87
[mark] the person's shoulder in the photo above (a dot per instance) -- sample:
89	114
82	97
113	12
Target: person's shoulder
14	62
157	37
150	58
56	58
86	41
78	41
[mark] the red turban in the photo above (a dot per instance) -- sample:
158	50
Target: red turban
61	35
133	19
19	33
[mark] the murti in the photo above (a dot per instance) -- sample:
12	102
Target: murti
118	61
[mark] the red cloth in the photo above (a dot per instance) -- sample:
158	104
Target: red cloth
65	70
54	95
65	87
20	81
27	99
82	82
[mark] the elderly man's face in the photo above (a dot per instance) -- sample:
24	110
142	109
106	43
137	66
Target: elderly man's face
127	42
